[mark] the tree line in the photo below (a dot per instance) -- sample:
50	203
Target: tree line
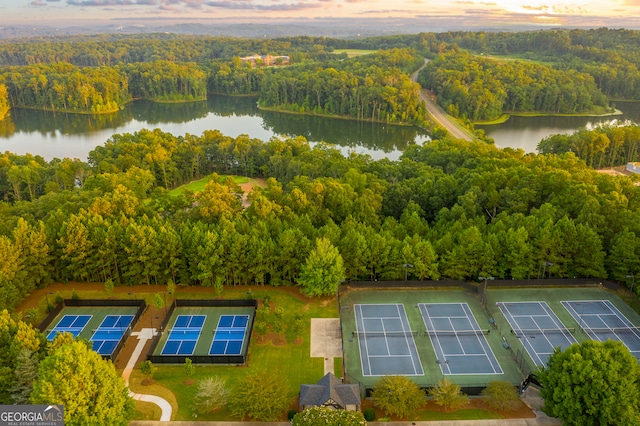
64	87
605	146
64	371
573	71
481	88
97	90
4	101
374	88
451	209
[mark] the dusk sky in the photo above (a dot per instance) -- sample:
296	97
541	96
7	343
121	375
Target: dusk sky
613	13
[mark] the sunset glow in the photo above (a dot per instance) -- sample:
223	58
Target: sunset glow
477	12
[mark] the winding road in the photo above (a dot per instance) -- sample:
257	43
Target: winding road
438	115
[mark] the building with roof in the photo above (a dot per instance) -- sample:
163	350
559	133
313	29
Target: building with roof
330	392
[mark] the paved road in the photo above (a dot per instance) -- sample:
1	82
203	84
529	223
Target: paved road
438	115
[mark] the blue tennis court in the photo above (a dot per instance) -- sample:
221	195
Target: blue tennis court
460	345
601	321
110	332
386	342
538	328
229	335
184	335
73	324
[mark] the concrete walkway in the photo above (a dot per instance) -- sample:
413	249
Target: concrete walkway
326	342
144	335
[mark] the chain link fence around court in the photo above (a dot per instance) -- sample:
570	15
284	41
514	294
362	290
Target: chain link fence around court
509	341
139	304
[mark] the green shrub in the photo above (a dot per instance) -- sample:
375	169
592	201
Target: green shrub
369	414
58	298
501	395
291	414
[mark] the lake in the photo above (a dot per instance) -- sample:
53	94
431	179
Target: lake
527	132
73	135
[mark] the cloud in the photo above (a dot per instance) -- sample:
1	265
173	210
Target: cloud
475	3
100	2
251	5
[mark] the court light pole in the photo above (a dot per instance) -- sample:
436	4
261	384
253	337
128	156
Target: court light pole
406	267
544	267
633	281
484	288
485	279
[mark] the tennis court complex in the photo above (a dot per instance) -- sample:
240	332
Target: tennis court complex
386	341
537	327
458	342
105	326
601	321
206	331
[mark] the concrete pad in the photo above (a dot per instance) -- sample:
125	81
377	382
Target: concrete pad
326	340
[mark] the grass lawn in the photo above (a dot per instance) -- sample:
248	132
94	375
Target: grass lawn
463	414
289	355
198	185
354	52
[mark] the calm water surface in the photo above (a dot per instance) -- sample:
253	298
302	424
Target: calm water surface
527	132
72	135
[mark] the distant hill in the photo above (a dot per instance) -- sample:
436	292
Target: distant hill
337	28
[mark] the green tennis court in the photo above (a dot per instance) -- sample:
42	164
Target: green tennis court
505	352
195	330
104	326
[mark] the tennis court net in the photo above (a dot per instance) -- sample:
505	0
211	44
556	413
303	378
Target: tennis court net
616	330
539	331
439	333
358	333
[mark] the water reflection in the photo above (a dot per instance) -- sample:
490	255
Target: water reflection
527	132
74	135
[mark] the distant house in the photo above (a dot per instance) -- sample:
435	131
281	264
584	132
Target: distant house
265	60
330	392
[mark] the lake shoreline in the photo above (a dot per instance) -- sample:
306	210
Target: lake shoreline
505	117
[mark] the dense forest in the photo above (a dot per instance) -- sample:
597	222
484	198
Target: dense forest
601	147
4	101
375	87
452	209
64	87
481	88
558	71
610	56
